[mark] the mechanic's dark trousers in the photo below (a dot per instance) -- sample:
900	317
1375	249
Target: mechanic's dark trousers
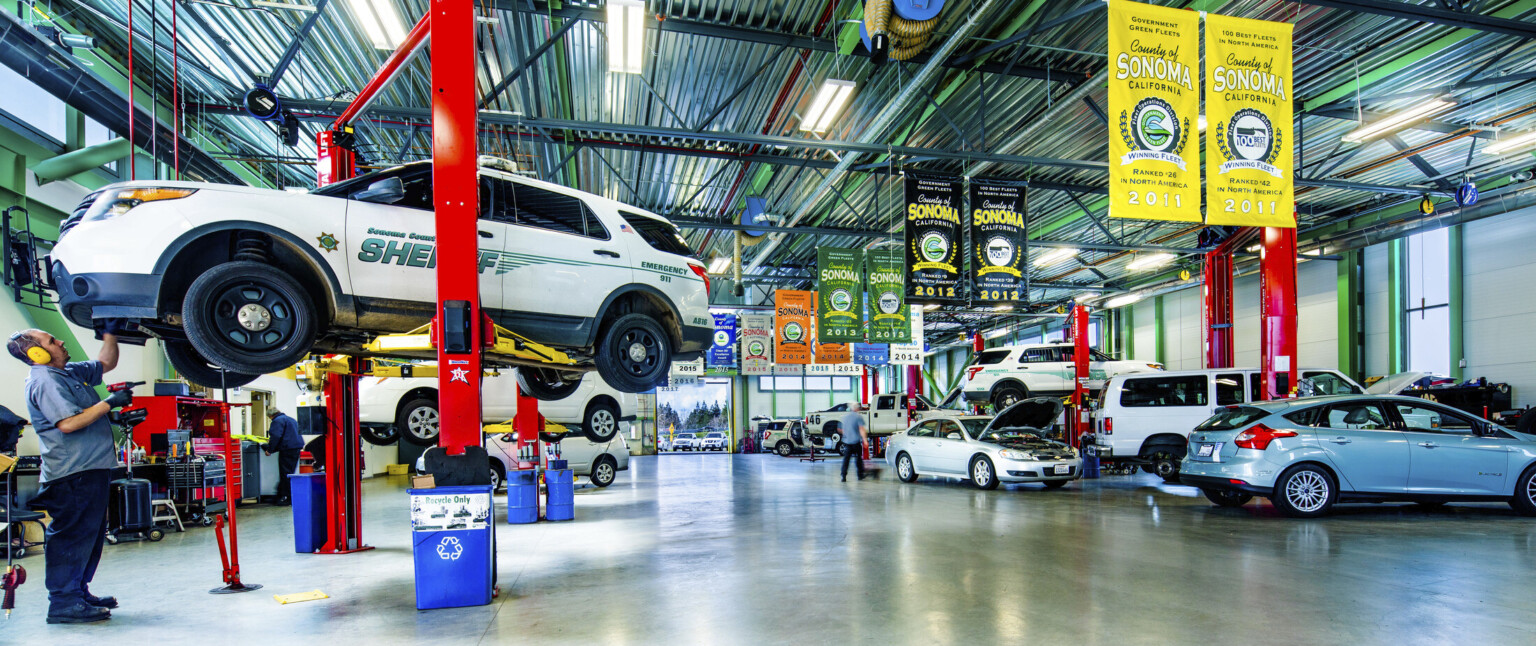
287	465
77	505
856	454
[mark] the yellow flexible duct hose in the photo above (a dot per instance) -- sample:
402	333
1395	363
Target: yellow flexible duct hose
877	13
903	51
911	30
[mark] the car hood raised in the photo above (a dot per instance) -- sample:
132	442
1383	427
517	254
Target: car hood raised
1040	412
1394	384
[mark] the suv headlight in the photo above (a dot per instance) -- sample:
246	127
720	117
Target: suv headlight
1017	455
117	202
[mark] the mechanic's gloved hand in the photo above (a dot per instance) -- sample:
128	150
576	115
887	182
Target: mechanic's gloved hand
119	398
112	326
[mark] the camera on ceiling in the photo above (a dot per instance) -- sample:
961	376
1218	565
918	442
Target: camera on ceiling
1522	176
64	39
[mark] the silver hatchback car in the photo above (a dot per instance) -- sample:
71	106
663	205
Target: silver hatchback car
1307	454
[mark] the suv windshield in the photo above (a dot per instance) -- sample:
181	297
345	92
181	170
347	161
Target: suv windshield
1232	417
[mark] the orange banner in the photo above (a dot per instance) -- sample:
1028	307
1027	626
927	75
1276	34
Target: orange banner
793	313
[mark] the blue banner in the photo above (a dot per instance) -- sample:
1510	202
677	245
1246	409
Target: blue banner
723	352
872	354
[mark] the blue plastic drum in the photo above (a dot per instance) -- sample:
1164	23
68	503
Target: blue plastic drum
560	488
522	497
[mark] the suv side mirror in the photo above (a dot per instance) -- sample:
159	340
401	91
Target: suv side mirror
384	191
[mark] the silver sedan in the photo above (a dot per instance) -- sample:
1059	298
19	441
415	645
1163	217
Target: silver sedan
988	450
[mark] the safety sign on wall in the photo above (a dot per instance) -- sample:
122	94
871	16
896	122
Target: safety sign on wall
1249	143
998	232
723	351
887	300
756	344
1154	111
935	244
793	311
839	295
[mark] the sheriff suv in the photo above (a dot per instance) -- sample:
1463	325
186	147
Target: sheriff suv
251	280
1005	376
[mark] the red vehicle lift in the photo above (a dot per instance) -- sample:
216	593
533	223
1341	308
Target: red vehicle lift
1077	410
1277	307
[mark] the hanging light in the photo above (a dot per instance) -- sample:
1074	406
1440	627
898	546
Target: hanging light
719	264
380	21
1149	261
1396	121
626	36
829	103
1501	147
930	307
1123	300
1055	256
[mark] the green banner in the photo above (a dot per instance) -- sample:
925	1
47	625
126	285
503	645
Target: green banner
840	295
888	321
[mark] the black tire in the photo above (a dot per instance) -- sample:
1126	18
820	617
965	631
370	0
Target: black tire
601	422
551	438
380	435
1226	498
1055	484
155	535
1164	465
417	421
1524	499
784	448
498	475
206	521
545	384
604	470
634	353
249	317
905	470
1305	491
195	368
983	473
1008	395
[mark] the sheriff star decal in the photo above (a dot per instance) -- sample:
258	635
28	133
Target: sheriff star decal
328	241
460	374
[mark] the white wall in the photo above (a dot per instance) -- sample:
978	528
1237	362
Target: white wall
1499	314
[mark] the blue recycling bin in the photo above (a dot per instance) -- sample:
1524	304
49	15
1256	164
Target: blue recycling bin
453	544
560	492
307	491
522	497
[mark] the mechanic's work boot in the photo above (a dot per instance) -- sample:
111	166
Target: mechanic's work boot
100	602
80	613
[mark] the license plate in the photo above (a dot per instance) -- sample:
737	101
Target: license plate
1062	469
1207	450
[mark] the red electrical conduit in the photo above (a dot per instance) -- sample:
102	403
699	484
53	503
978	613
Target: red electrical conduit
132	167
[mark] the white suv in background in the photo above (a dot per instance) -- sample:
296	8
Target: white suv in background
408	406
1005	376
254	279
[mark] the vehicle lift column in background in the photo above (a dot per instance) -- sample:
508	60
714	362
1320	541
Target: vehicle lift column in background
1217	310
337	156
338	377
977	345
1077	410
1277	312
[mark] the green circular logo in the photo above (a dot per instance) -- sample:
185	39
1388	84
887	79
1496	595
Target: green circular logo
757	349
722	338
935	246
841	300
793	332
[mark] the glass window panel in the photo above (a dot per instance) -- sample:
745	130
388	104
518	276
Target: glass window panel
1429	348
31	104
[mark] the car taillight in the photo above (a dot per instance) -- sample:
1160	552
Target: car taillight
1109	426
699	269
971	371
1259	436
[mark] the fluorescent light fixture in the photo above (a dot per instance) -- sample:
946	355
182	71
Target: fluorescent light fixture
930	307
1003	308
1396	121
996	333
719	264
1202	123
1123	300
1055	256
380	21
1149	261
291	6
1083	297
626	36
1501	147
829	103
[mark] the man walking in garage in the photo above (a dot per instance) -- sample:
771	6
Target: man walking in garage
283	438
855	429
78	457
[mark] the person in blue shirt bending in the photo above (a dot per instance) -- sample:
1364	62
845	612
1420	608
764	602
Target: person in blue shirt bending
283	439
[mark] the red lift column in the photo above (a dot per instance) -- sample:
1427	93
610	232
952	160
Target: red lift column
1077	415
1219	347
1277	313
455	198
343	461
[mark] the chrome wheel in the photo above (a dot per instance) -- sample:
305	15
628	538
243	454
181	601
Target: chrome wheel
1307	491
1530	487
904	467
982	475
603	475
422	423
603	423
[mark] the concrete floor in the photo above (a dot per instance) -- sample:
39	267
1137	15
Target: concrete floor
714	549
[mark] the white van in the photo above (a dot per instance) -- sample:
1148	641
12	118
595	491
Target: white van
1147	417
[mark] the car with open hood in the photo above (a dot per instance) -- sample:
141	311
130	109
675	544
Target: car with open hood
1011	446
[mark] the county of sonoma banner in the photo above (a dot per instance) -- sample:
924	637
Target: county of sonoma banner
840	295
793	311
1248	143
997	242
934	242
756	344
888	322
1154	107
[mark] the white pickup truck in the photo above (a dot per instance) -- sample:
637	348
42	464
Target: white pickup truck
887	415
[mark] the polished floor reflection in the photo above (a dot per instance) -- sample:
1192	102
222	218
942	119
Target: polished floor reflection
718	549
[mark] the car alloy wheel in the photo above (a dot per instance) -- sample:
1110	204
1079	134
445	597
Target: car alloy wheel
418	422
982	474
495	479
601	423
1007	396
380	435
1307	491
249	317
603	473
785	448
1524	500
904	468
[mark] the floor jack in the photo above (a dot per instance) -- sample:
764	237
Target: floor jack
230	558
15	575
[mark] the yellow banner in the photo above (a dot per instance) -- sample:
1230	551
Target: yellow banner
1249	142
1154	108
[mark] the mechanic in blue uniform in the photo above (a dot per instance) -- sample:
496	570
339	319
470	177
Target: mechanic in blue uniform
283	439
78	457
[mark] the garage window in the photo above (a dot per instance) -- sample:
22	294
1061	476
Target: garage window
1164	391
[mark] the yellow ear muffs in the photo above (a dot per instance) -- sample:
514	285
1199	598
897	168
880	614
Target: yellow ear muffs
38	355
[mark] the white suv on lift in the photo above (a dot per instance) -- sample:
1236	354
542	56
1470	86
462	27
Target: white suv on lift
254	279
1005	376
406	407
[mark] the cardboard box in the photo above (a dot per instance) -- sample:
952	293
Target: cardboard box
424	481
397	469
6	462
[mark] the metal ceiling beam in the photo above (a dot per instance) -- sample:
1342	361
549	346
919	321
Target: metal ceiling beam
1424	13
1372	116
765	37
293	46
694	223
1419	162
533	57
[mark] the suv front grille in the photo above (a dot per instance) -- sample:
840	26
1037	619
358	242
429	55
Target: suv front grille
78	214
